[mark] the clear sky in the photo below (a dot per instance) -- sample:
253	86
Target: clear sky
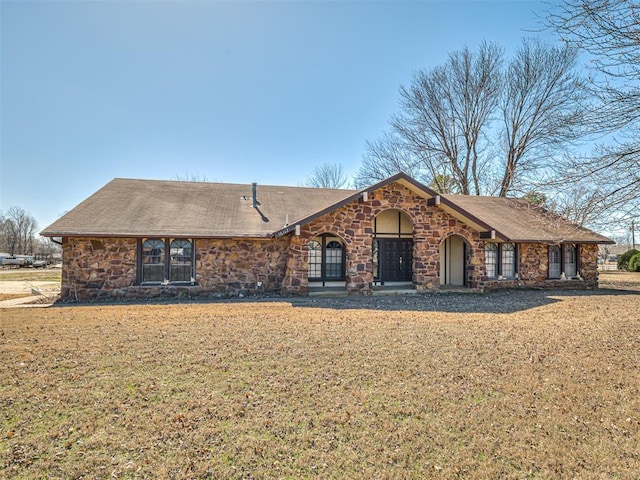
232	91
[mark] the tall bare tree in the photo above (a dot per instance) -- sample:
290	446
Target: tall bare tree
609	32
483	125
445	111
328	175
542	109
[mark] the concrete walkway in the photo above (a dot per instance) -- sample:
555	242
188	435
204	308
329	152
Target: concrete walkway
45	293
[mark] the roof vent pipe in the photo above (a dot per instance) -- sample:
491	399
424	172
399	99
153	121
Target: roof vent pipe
254	194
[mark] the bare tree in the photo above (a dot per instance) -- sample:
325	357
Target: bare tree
17	231
328	175
609	32
190	177
482	126
383	158
445	111
542	109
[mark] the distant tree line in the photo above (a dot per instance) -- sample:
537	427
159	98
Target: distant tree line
18	234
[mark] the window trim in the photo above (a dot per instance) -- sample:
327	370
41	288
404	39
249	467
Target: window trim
563	260
168	241
322	241
499	261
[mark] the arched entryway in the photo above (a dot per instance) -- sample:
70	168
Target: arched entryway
392	248
453	260
326	259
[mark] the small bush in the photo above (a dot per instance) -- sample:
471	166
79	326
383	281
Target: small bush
623	260
634	263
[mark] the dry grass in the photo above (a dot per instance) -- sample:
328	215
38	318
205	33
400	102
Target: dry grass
12	296
549	389
53	274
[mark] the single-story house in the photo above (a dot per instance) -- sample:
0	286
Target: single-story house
141	238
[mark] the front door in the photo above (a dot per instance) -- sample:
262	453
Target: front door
396	259
453	252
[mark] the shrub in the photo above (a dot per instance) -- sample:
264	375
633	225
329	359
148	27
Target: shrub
623	260
634	263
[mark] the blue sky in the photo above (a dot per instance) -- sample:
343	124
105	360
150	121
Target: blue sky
233	91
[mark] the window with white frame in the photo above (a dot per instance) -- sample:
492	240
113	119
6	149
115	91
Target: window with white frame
564	259
491	259
501	259
555	261
508	260
570	260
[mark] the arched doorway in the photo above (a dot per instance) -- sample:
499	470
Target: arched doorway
392	247
453	260
325	262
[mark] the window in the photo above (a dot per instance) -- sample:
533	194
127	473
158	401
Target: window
180	263
157	267
555	261
564	260
315	259
508	260
501	259
491	259
326	259
333	255
153	260
570	260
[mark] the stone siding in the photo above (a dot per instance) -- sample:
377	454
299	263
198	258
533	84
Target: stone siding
234	266
93	267
534	265
354	224
107	267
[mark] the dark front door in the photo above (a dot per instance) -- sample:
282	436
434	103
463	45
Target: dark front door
396	259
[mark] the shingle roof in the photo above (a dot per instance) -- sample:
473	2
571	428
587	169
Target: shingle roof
520	221
136	208
126	207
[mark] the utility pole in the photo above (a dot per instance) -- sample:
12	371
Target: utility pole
633	234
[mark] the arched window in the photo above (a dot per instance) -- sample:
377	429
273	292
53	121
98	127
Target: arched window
491	259
501	259
508	260
158	267
315	259
181	260
326	259
153	260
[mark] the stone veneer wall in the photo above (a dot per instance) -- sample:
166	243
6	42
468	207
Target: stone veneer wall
353	223
97	266
533	270
106	267
233	266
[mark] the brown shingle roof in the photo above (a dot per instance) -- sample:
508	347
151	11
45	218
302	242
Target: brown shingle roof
520	221
126	207
137	208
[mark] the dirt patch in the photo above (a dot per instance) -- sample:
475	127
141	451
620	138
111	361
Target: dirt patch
620	280
522	384
12	296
